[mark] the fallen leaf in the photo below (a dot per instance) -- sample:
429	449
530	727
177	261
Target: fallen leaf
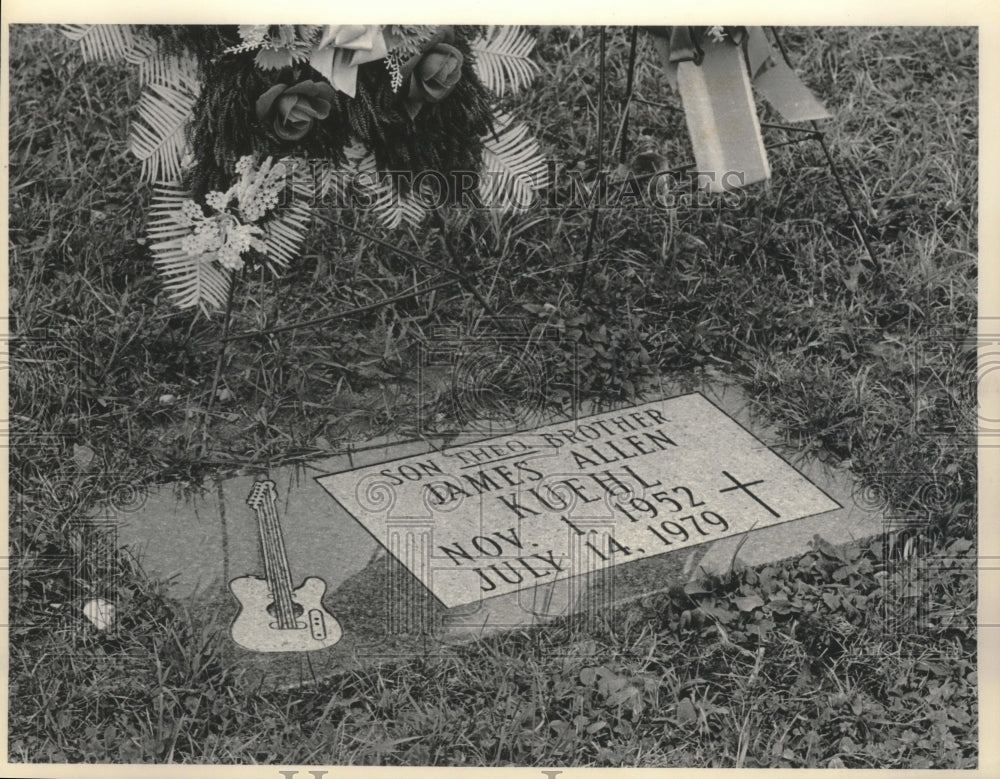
100	612
83	456
696	587
748	603
686	712
853	275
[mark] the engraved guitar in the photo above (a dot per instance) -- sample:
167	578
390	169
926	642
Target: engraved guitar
273	617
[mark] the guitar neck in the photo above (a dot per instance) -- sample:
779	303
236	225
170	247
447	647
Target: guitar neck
279	577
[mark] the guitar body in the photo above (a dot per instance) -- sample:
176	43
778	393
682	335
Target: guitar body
256	627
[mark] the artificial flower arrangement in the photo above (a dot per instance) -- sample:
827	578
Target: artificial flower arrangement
242	128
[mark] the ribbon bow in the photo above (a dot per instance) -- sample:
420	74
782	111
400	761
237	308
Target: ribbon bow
712	69
342	48
769	73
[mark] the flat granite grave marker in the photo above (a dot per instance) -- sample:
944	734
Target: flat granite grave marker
568	499
421	544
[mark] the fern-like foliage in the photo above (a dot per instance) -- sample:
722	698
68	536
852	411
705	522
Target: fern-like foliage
502	61
328	178
168	70
157	137
101	41
197	273
513	166
373	189
392	209
286	230
190	280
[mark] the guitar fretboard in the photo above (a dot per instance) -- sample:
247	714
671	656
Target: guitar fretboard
263	500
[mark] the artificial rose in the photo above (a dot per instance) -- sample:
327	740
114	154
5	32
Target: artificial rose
293	110
434	72
437	74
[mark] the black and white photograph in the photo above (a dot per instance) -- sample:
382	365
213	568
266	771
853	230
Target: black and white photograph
603	394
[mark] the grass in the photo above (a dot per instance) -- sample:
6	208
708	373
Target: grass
827	660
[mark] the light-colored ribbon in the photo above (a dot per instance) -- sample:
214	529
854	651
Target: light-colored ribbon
768	71
342	48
